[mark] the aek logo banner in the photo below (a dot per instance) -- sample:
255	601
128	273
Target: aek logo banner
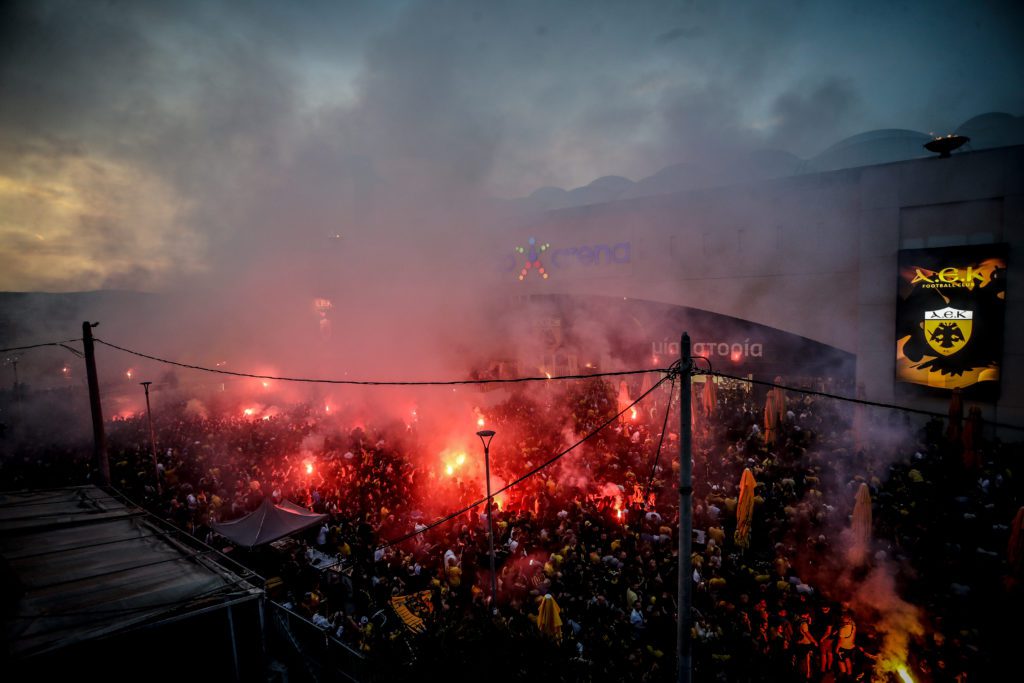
949	330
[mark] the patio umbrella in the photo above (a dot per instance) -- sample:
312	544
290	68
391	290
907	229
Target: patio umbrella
860	527
745	509
549	618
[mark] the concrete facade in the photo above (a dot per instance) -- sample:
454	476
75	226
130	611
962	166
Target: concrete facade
814	255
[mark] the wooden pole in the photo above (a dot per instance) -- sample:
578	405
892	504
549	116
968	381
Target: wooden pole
99	438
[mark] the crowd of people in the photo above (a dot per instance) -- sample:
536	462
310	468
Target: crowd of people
596	531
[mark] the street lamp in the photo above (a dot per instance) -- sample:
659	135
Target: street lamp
152	438
485	438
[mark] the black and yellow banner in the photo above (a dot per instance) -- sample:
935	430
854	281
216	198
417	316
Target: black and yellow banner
949	318
412	609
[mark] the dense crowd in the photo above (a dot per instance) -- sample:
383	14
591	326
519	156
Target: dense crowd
597	531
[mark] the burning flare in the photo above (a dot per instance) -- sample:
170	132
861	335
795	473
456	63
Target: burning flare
452	464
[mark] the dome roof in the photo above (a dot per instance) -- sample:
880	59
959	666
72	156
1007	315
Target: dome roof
874	147
994	129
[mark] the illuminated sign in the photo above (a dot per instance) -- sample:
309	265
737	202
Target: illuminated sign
532	252
949	330
734	351
564	258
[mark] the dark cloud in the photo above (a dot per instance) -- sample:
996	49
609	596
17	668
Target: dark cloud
676	34
807	118
189	137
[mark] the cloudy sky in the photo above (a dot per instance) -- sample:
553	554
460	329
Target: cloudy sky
145	143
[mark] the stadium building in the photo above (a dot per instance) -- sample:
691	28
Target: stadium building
885	266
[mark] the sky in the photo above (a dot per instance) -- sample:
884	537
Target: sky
144	145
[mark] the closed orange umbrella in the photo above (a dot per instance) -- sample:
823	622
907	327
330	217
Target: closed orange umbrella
1015	551
774	409
956	416
971	437
860	527
710	398
624	401
745	509
549	618
860	423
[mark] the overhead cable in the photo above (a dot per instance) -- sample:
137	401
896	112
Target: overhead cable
405	383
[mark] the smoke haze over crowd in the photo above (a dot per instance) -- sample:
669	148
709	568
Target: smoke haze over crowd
142	144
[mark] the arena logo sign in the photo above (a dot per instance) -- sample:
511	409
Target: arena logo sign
735	351
540	258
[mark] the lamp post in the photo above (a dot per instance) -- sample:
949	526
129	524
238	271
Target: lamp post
485	438
13	362
152	438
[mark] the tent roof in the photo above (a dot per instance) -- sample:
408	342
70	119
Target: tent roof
80	564
268	523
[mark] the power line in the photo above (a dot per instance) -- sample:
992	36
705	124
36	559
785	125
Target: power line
526	476
661	439
36	346
379	382
848	399
515	380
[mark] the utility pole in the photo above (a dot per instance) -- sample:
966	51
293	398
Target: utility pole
99	438
486	435
152	439
685	588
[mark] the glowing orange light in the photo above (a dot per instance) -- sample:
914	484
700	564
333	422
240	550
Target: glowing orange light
266	384
633	417
736	355
66	370
460	459
904	674
618	513
265	418
480	422
327	408
248	412
548	374
450	470
309	468
128	373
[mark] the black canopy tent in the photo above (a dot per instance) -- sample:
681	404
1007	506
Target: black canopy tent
268	523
